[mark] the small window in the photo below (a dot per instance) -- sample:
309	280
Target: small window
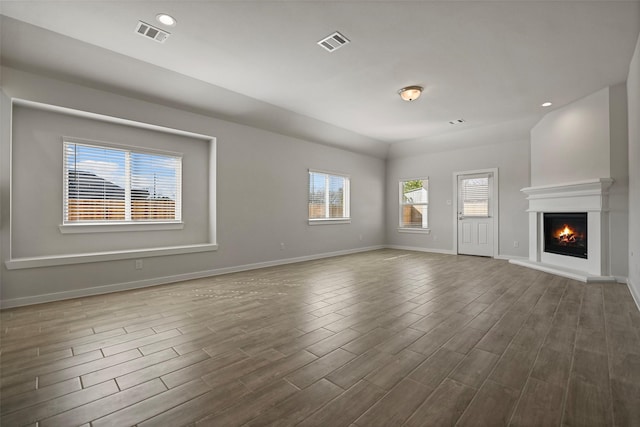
106	184
414	204
474	196
328	197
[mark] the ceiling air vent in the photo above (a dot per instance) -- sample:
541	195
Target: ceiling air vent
456	122
152	32
333	42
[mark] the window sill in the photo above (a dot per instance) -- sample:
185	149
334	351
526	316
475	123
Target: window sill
324	221
414	230
115	227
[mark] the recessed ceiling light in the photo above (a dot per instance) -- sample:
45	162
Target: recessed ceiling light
165	19
547	104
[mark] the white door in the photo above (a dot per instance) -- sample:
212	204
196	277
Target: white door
475	220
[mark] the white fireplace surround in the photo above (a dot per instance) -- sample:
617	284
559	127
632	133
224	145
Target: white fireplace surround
589	196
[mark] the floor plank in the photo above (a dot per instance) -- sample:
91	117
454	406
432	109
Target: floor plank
379	338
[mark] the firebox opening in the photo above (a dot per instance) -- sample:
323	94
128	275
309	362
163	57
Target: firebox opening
566	234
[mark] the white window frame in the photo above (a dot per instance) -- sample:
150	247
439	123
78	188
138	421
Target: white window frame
486	175
401	204
128	224
346	219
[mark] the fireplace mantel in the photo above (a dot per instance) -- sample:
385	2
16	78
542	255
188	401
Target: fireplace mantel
589	196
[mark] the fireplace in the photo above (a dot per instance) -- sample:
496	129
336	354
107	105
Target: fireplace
582	208
566	233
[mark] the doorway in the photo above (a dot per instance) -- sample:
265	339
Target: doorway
476	212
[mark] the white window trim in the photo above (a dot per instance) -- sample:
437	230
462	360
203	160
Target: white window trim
114	227
401	204
45	261
127	225
487	175
327	221
414	230
347	200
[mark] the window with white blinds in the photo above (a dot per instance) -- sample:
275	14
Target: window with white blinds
474	195
414	203
328	196
104	184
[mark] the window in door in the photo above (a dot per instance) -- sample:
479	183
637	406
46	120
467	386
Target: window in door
474	196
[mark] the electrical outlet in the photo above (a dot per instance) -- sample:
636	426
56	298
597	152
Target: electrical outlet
516	244
360	237
138	264
282	246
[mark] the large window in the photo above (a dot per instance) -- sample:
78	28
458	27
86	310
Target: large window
104	184
414	204
328	197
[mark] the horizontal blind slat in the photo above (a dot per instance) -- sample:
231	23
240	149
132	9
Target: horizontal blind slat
95	183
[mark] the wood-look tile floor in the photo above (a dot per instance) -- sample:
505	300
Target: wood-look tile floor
382	338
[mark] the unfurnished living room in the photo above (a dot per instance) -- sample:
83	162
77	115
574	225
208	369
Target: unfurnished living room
319	213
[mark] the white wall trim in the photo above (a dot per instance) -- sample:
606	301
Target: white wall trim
108	119
634	292
419	249
510	257
99	290
569	273
57	260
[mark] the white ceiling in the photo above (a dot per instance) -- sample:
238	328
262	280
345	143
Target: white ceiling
257	62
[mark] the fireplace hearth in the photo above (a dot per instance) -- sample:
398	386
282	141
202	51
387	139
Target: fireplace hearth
566	233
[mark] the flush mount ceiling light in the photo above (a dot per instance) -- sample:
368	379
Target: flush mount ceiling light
547	104
410	93
165	19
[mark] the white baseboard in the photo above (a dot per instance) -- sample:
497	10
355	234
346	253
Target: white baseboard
621	279
99	290
447	252
635	292
419	249
510	257
561	271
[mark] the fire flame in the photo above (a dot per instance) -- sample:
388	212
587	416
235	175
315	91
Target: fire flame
565	232
567	235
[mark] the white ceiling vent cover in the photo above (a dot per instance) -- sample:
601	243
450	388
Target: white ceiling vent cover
152	32
333	42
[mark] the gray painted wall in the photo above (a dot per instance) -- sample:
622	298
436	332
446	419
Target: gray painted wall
262	185
38	187
572	143
587	139
251	161
633	98
512	160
